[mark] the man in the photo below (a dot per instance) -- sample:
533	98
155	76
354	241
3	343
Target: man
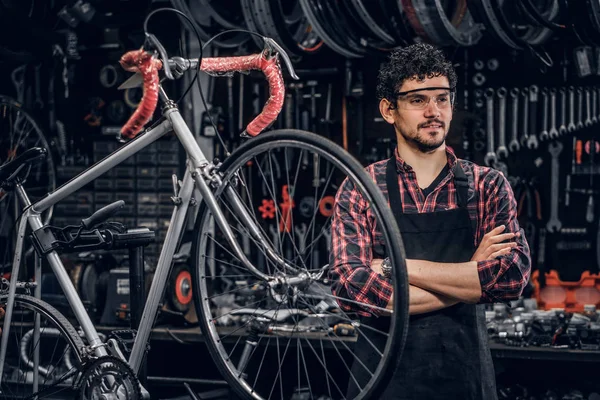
459	226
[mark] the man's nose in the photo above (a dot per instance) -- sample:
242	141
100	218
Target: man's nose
432	110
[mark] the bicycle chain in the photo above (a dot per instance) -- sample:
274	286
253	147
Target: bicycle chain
126	343
48	390
126	371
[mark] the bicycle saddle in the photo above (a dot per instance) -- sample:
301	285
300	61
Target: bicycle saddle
25	158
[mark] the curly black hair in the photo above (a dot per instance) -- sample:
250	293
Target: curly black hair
418	61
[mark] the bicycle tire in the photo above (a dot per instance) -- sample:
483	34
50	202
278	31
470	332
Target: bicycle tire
41	179
15	378
211	273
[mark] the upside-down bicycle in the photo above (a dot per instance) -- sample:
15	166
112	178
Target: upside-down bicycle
260	280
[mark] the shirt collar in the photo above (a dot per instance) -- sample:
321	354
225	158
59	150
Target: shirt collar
401	165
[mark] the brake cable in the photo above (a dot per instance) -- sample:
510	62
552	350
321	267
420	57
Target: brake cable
535	16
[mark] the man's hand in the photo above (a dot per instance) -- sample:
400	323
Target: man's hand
491	245
376	265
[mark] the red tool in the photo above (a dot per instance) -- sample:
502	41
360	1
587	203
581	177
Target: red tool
286	210
326	206
267	209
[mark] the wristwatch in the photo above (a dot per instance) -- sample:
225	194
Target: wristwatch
386	267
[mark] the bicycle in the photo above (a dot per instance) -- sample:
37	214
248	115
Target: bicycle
261	284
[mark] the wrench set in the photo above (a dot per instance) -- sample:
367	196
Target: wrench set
525	118
534	115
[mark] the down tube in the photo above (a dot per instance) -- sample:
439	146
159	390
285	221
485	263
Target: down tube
161	274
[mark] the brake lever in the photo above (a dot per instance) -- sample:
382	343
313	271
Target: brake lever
163	54
270	44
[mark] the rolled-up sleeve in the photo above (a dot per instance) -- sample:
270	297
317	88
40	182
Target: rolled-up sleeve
504	278
354	284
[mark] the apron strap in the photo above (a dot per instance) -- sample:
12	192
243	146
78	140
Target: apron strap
394	189
462	191
462	185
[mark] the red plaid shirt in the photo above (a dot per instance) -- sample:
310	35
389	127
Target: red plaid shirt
355	235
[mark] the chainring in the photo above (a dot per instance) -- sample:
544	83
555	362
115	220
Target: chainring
93	383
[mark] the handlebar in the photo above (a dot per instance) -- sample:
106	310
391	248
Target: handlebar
148	66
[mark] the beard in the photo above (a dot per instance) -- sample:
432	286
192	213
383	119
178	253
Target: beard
424	142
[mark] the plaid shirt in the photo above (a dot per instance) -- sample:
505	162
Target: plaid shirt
356	239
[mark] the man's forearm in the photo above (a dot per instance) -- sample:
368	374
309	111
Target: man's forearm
458	281
422	301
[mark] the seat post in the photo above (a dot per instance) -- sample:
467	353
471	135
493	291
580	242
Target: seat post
22	194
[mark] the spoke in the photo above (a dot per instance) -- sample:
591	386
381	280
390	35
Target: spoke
262	360
312	221
224	262
230	291
260	337
326	369
342	342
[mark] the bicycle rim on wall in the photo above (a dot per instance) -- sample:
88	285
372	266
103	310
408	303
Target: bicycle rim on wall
18	132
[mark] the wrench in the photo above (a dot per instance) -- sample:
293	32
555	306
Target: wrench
554	223
525	120
579	124
275	238
594	105
562	129
502	151
553	132
513	145
17	77
588	111
544	133
327	236
532	141
490	157
571	125
541	258
300	233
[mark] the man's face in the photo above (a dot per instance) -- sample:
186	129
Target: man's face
422	117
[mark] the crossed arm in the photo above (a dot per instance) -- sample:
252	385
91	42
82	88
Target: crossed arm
498	270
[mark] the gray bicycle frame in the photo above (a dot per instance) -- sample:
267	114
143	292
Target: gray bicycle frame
198	171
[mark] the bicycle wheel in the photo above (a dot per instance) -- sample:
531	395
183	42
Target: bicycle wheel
18	132
290	339
60	351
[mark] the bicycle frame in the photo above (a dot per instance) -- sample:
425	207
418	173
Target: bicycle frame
196	175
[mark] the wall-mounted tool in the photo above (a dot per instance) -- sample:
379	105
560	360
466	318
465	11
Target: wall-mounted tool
554	223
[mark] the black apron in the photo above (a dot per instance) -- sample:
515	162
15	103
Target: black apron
446	355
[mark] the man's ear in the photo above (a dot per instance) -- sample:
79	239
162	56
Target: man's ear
387	109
